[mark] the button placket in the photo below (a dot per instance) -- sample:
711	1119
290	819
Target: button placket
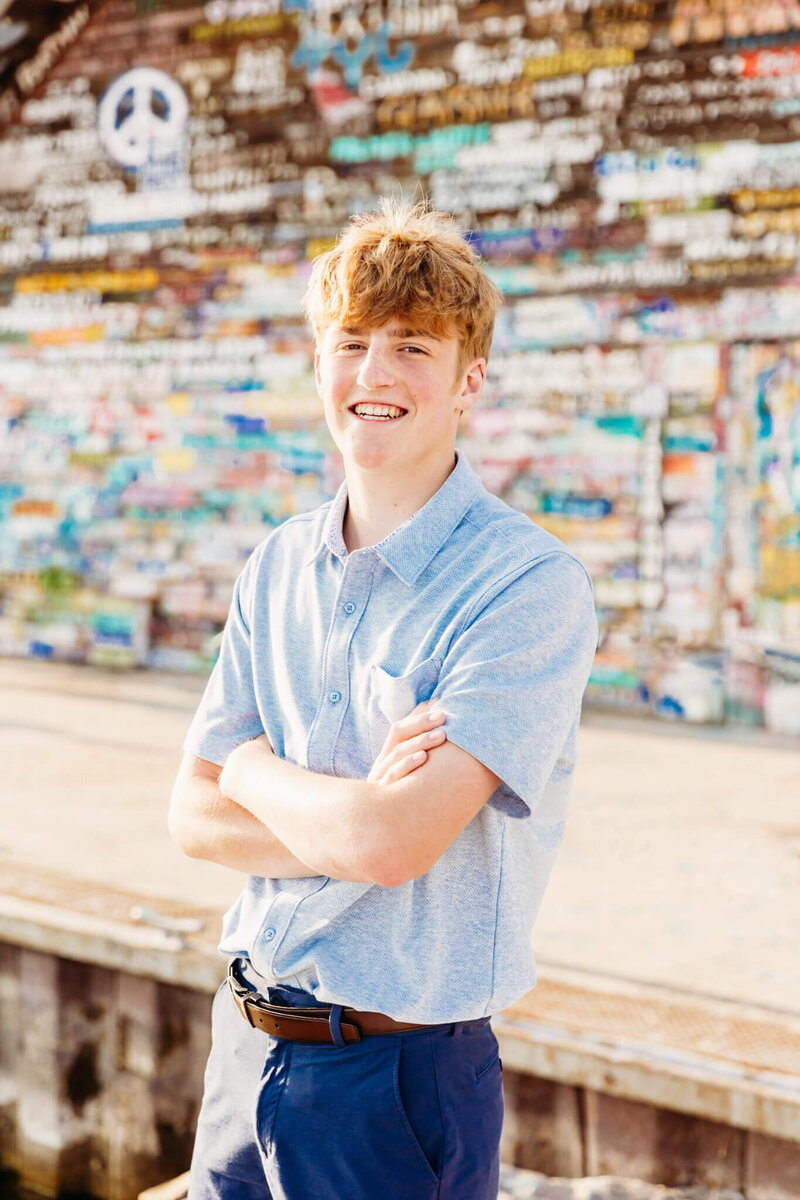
356	580
280	914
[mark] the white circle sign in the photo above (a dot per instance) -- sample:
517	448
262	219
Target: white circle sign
141	116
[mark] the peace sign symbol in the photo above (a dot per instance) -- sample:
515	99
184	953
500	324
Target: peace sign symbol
141	115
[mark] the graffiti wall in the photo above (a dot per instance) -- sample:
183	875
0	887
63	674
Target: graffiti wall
630	172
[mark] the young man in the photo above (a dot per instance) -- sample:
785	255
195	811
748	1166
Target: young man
385	747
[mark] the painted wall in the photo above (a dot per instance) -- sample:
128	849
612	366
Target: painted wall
631	174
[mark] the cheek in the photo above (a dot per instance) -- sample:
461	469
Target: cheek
332	387
431	406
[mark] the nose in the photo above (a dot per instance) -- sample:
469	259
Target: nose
375	371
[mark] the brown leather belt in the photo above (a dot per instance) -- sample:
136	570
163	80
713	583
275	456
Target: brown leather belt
308	1024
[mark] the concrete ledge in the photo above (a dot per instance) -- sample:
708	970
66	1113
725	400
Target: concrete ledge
738	1065
110	943
725	1063
90	923
689	1084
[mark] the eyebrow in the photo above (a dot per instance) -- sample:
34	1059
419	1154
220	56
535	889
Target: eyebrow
396	332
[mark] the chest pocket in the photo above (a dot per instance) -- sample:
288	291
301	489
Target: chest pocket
394	696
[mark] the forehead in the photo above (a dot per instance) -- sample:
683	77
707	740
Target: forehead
397	328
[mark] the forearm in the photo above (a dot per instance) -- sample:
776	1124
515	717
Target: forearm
379	830
215	828
325	820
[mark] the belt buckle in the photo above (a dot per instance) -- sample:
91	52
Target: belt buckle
287	1013
246	999
243	996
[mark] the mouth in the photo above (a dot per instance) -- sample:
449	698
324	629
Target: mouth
377	412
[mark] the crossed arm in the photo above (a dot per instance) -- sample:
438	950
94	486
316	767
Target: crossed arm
265	816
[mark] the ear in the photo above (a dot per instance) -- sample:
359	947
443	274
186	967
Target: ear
472	385
317	375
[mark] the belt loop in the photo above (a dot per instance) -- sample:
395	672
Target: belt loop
334	1022
457	1027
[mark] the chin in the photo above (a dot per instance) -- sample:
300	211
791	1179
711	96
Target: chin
372	458
369	453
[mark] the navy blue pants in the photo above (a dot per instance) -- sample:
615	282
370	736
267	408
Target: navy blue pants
401	1116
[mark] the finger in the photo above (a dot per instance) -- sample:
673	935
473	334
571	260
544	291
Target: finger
404	766
420	718
416	721
422	741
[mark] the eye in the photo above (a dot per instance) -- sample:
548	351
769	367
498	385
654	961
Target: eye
416	349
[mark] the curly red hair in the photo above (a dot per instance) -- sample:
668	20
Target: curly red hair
405	261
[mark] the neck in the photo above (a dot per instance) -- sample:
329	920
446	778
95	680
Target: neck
378	503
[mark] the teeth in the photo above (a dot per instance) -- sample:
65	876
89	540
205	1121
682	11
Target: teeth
377	410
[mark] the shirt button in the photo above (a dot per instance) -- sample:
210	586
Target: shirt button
349	608
269	934
334	697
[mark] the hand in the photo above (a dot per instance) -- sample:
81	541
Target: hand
238	759
408	743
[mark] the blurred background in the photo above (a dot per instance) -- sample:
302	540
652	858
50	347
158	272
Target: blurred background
630	172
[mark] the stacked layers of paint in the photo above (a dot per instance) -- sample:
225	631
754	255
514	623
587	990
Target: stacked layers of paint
631	175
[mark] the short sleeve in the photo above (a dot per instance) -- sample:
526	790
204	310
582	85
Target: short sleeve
228	711
513	680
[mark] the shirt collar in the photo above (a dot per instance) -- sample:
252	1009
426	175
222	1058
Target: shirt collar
408	549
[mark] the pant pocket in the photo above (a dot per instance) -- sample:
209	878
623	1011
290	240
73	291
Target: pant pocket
492	1061
417	1097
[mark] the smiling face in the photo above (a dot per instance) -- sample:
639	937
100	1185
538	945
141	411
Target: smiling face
393	395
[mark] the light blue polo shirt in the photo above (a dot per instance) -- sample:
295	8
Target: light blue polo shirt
468	602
